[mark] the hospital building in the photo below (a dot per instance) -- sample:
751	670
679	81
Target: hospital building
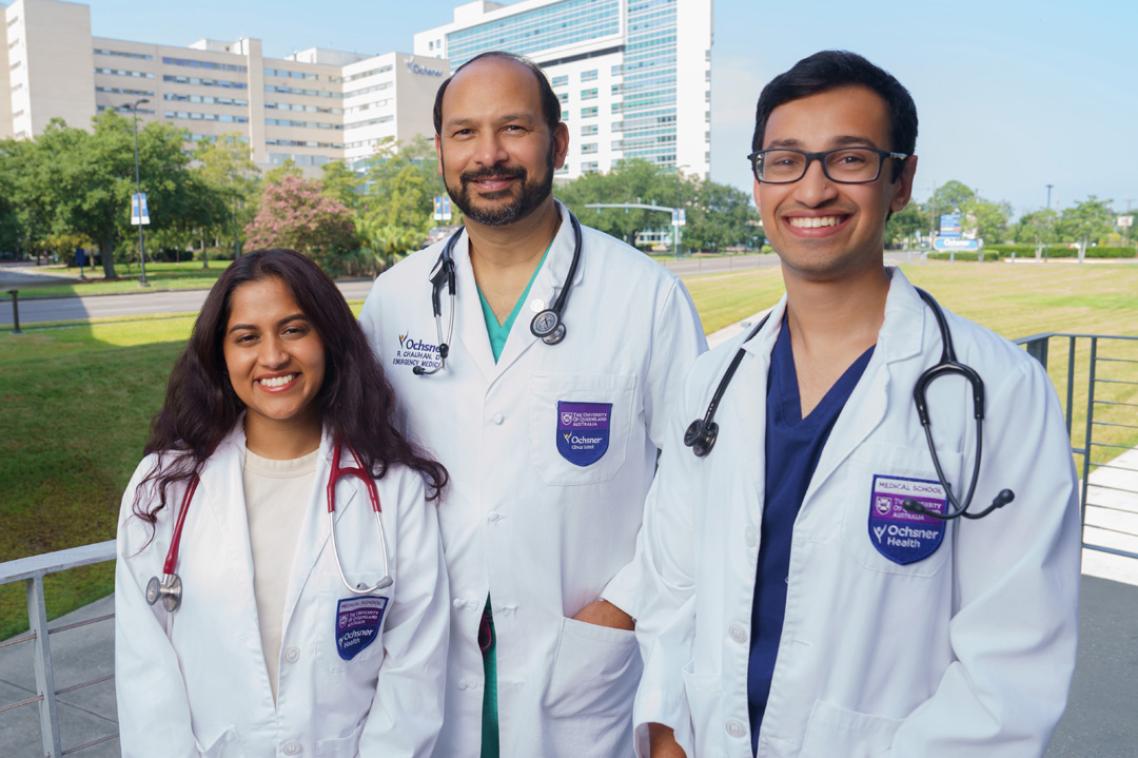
633	76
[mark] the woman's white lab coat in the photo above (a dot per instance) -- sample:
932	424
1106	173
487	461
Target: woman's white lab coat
540	527
967	653
194	683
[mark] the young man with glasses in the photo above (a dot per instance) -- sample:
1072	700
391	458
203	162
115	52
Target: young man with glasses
822	584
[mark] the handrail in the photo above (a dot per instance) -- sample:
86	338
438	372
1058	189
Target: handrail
59	560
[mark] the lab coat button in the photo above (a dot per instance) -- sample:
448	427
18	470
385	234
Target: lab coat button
498	418
292	747
292	655
752	536
464	684
736	729
458	603
738	633
493	516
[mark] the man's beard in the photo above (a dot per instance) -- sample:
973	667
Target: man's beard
533	193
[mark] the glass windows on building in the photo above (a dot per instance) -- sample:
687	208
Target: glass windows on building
369	72
281	89
123	54
588	130
119	72
560	81
212	65
555	25
588	148
589	112
285	73
590	167
589	94
199	82
204	99
195	116
589	76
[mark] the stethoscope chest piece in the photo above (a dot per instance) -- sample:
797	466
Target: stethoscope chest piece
168	589
547	327
701	436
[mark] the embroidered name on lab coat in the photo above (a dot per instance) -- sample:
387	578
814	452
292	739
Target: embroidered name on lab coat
899	535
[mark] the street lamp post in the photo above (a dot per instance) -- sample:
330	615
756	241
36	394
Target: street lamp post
138	192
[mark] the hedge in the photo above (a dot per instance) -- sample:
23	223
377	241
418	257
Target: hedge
965	255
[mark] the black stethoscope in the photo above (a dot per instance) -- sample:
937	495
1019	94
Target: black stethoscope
702	433
547	325
168	588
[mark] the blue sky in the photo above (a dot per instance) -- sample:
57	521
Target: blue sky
1012	95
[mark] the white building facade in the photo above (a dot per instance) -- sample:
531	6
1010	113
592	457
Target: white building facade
312	107
633	76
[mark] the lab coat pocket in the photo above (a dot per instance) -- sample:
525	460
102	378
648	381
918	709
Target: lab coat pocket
832	730
878	533
595	671
221	746
702	692
579	425
337	747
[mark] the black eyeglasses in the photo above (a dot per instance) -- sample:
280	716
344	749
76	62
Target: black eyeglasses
845	165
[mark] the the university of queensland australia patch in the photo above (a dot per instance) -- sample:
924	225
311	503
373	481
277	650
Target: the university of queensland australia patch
583	431
900	535
358	620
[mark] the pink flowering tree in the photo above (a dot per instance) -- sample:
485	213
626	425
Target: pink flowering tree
294	213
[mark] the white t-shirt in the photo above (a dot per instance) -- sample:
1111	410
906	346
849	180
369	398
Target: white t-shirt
276	494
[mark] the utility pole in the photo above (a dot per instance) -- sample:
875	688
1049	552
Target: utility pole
1049	186
138	193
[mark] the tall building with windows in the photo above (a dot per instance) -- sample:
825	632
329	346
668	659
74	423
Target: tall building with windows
312	107
633	76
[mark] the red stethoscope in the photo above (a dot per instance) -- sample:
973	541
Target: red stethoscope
168	589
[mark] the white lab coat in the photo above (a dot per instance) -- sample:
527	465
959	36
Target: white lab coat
964	654
193	683
541	535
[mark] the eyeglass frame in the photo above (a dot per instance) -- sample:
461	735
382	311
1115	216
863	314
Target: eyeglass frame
820	156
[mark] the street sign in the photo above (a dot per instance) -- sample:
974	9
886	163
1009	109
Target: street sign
442	208
139	212
679	217
1125	222
950	225
956	244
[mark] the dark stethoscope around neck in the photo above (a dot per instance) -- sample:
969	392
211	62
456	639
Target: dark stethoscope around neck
548	325
702	433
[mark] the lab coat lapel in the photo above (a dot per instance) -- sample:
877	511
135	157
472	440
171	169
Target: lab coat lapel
900	338
547	285
748	411
315	532
470	324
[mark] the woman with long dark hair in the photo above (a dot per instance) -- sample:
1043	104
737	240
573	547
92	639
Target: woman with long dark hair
280	583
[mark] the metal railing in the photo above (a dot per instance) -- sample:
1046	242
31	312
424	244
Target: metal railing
1109	412
1108	426
32	571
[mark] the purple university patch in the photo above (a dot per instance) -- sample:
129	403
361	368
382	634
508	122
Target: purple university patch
358	621
899	535
583	431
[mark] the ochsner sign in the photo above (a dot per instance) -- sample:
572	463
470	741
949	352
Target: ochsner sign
415	68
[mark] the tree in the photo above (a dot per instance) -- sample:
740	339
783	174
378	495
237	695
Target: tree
295	214
631	181
395	211
225	166
905	226
990	220
342	183
1038	228
1086	222
719	216
947	198
87	178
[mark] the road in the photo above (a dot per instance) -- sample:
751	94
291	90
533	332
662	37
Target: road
190	301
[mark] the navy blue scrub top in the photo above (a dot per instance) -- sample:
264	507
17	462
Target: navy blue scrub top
793	446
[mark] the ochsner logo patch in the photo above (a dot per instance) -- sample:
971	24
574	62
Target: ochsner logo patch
415	352
583	431
898	534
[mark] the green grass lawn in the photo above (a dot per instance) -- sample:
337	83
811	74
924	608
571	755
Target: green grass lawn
188	275
77	401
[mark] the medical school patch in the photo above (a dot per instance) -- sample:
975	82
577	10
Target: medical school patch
583	431
899	535
358	620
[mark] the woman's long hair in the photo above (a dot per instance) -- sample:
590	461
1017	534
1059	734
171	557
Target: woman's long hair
355	401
